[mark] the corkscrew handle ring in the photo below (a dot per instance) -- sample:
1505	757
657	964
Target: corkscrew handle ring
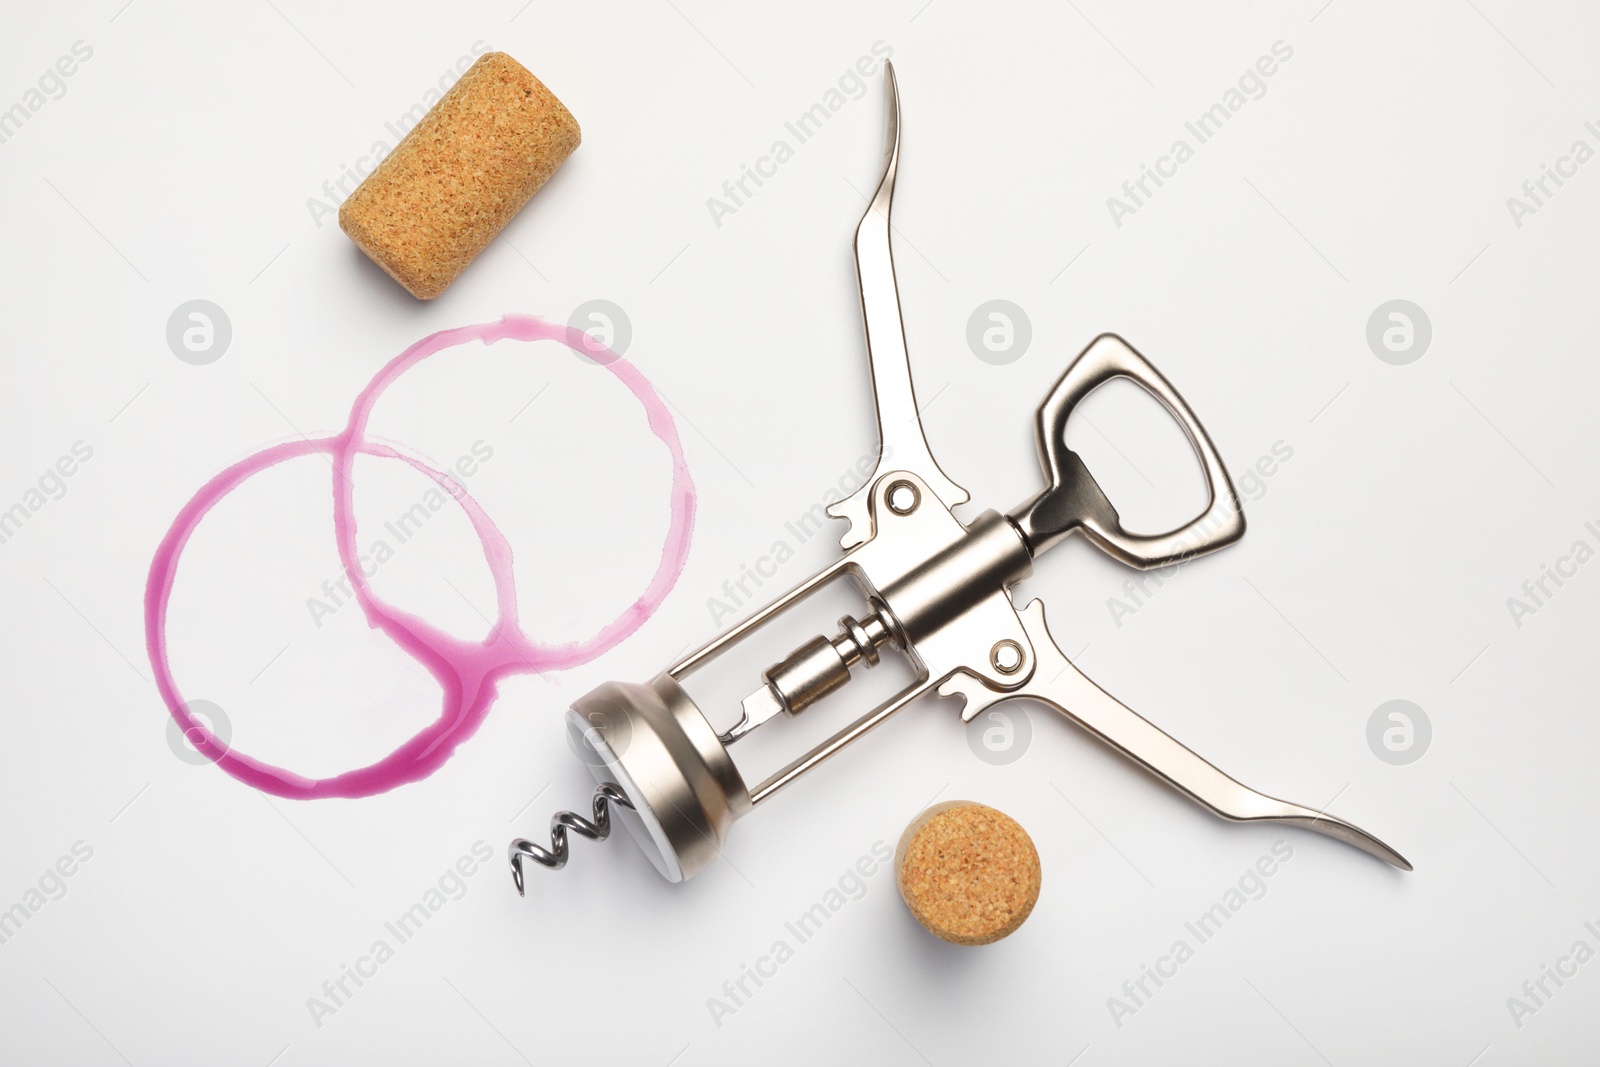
1074	500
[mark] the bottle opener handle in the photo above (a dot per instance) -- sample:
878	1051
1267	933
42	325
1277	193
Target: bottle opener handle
1074	500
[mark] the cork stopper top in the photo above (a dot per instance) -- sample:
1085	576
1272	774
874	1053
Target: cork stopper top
969	873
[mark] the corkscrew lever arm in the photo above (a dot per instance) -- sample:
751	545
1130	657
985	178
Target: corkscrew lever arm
901	442
1058	683
1073	502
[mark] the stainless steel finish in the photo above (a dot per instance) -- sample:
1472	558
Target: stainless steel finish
868	722
942	586
902	444
812	671
864	638
903	498
555	857
1006	657
683	790
755	709
1074	501
821	666
936	588
1058	683
936	584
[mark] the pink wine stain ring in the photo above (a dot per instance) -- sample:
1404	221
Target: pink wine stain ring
467	671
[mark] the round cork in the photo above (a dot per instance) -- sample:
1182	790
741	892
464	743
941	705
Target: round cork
969	873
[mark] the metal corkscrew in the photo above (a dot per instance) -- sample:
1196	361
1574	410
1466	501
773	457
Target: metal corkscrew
936	590
555	857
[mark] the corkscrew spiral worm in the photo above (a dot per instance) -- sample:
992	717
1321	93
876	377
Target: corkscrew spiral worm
555	857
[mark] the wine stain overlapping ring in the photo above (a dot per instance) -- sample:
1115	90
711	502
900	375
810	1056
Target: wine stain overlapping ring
467	671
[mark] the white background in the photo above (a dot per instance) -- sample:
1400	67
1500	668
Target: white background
1378	563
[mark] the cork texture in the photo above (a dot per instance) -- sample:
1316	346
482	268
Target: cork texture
459	176
969	873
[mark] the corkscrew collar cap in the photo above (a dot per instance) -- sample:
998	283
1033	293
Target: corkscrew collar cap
656	745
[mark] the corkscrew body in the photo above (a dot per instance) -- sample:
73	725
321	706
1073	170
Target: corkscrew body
935	589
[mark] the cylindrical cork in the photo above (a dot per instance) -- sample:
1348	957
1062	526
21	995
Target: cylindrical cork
969	873
460	175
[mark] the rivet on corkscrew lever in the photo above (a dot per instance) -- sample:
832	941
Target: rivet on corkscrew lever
937	589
